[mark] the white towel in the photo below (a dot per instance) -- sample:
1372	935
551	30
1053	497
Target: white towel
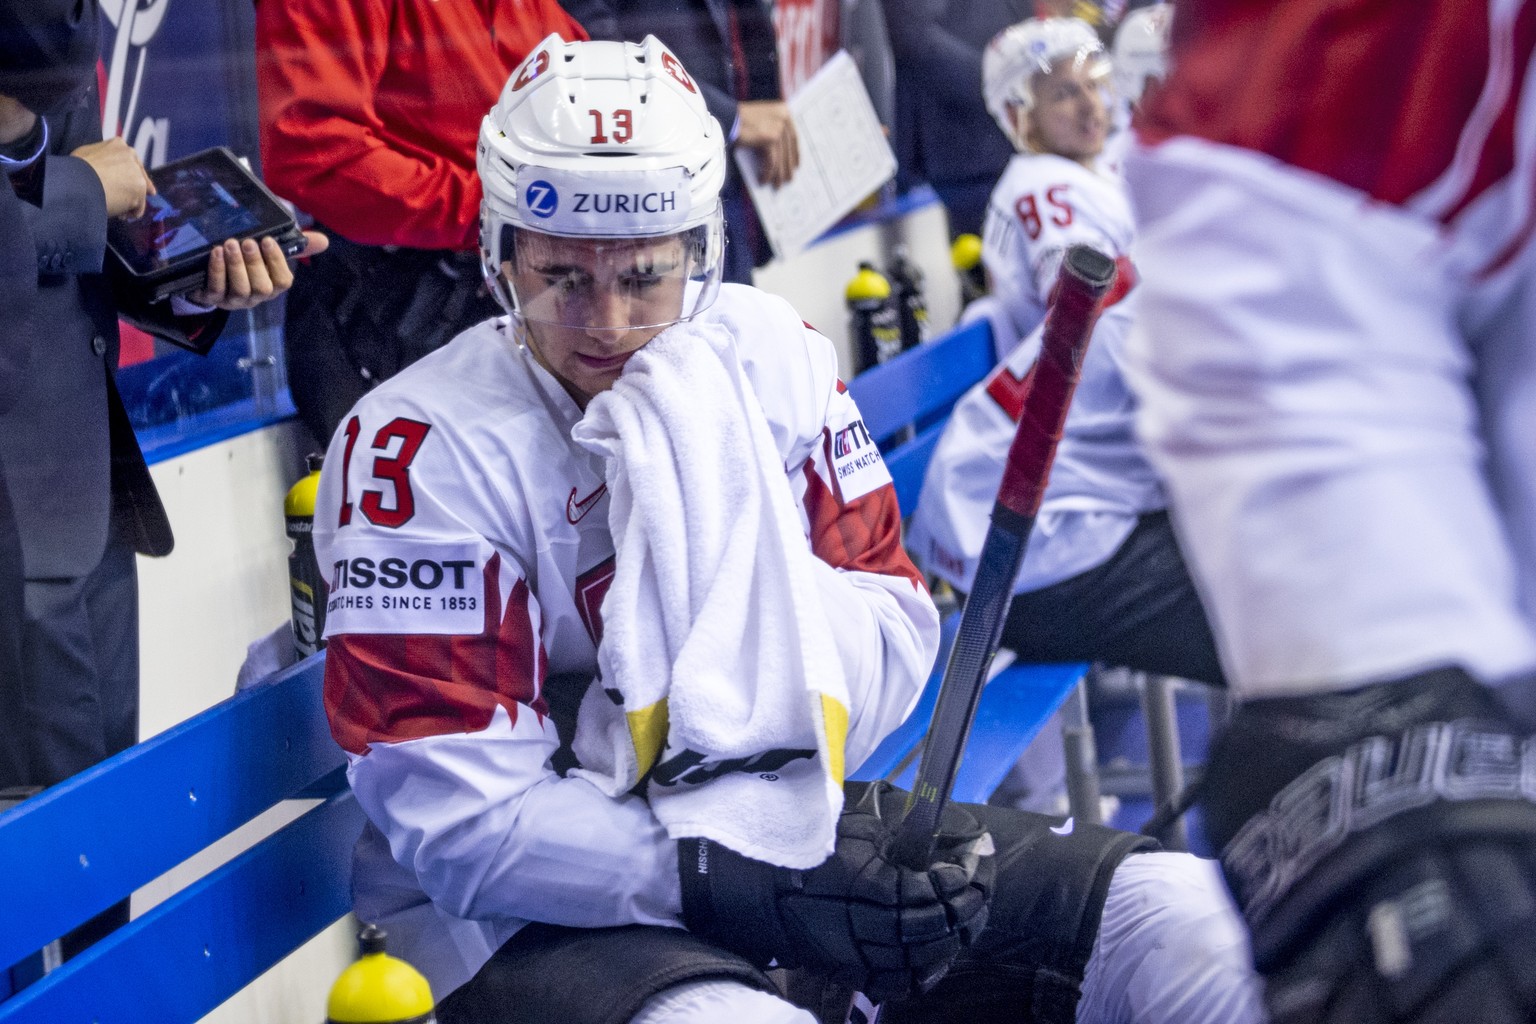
714	633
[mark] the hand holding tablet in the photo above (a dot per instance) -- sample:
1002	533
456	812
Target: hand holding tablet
210	231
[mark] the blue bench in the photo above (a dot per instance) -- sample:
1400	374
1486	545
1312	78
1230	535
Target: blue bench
78	848
905	403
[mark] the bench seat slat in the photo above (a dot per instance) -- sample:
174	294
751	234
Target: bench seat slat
179	961
1015	705
79	847
1014	708
923	381
908	464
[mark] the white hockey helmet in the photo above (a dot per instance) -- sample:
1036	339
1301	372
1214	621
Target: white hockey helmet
1032	47
1141	49
604	141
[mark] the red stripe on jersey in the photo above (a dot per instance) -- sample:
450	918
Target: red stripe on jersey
383	688
1009	391
1512	50
863	535
1125	279
591	587
1515	247
1375	94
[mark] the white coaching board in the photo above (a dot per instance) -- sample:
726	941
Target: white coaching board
844	157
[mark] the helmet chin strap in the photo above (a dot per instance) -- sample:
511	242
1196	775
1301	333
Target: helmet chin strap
516	331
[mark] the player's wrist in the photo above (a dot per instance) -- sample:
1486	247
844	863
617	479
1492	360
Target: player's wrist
730	899
16	121
20	146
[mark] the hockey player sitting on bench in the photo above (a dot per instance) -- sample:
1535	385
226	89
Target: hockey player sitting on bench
1103	579
1046	81
618	595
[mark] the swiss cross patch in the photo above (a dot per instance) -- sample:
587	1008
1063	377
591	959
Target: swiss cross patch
532	68
675	68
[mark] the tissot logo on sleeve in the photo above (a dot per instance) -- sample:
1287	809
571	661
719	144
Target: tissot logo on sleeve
419	588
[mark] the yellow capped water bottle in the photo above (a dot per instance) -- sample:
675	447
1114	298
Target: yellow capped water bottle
874	320
965	256
379	988
306	587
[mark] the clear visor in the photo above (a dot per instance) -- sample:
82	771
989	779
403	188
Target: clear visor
1067	80
1089	68
612	283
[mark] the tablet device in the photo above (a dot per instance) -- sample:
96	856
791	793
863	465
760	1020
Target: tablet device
199	202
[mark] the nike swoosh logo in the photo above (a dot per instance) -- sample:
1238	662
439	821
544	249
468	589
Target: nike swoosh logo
576	511
1065	828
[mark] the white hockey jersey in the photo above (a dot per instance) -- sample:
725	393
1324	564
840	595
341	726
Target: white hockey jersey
1041	205
466	540
1099	484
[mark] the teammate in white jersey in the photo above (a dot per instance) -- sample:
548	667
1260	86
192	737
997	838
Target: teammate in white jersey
1046	82
469	532
1139	52
1102	578
1336	366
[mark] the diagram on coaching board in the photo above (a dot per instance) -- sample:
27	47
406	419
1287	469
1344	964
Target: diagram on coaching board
844	156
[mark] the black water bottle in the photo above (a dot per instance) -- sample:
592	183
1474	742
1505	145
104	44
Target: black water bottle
306	587
874	321
912	307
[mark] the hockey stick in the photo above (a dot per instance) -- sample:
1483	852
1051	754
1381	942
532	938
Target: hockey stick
1086	275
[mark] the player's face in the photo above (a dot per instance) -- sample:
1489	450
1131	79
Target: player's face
1069	116
591	303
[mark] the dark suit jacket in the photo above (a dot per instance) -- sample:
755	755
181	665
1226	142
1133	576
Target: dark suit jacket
70	457
943	131
699	33
18	291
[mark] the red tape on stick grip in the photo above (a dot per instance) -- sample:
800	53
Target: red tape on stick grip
1086	275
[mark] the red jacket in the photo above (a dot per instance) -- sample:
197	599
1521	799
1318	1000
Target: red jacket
370	108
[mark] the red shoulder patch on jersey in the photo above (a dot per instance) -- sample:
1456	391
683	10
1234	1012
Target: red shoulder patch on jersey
864	534
382	688
1125	279
1008	390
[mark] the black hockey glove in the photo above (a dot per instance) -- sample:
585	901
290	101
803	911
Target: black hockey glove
1382	846
871	924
